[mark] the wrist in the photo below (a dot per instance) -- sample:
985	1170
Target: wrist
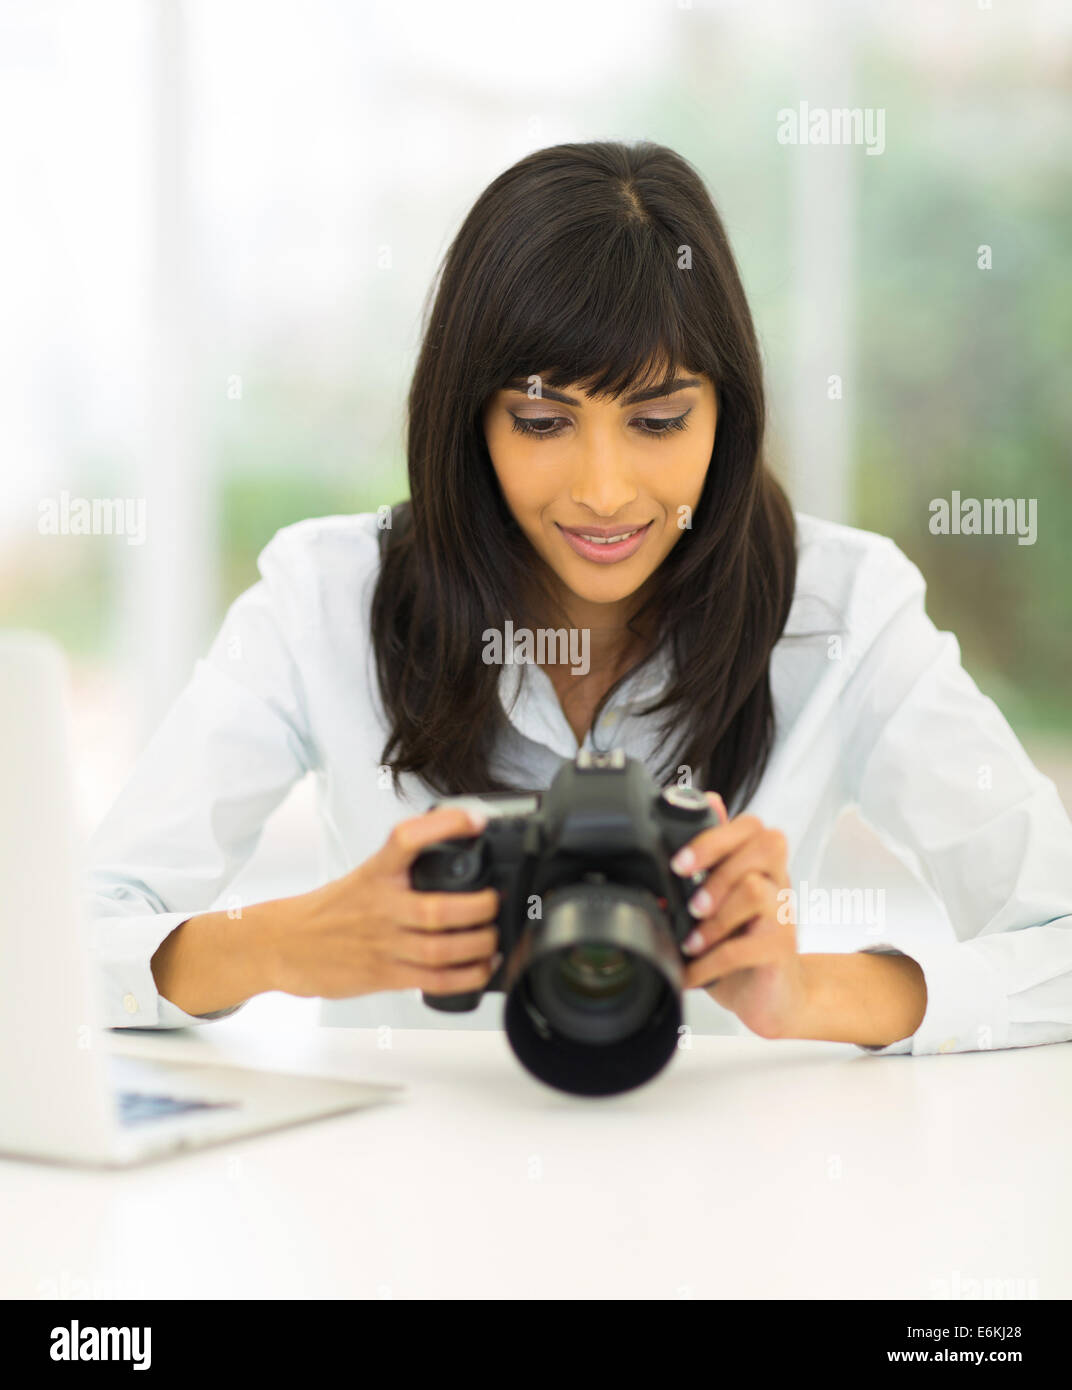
259	944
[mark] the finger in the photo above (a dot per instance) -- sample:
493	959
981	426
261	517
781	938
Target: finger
432	912
754	896
446	948
711	845
757	855
719	806
755	946
409	837
444	979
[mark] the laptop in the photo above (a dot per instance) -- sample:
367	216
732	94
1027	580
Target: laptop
63	1096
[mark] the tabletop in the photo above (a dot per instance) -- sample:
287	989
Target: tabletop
747	1169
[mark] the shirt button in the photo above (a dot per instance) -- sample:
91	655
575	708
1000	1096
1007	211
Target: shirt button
130	1004
948	1045
610	719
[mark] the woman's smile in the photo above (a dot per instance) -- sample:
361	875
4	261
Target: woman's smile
605	545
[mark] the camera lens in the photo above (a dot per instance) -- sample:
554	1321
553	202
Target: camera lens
594	995
595	972
595	1001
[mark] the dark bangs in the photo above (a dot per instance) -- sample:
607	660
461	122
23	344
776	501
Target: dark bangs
605	295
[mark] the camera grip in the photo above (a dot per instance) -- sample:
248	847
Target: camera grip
430	873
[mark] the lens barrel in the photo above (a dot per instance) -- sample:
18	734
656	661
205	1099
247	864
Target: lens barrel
593	990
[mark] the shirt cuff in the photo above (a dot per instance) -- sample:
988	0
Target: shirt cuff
967	1004
122	949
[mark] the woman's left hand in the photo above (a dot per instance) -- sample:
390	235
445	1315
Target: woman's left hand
744	945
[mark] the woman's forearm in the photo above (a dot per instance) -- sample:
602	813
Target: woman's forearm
213	961
863	998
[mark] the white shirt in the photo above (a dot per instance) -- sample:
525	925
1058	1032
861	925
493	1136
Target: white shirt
890	722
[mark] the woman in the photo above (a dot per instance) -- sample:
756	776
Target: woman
586	457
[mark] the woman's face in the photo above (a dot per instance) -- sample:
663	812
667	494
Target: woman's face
604	489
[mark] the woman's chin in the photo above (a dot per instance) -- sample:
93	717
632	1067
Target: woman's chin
604	584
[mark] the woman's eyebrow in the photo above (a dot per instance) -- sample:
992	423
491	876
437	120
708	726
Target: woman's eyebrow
681	383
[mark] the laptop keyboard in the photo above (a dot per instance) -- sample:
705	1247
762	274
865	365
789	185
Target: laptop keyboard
136	1108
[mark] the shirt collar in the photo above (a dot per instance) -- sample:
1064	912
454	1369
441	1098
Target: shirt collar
531	705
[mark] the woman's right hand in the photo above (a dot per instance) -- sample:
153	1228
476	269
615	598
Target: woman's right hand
370	931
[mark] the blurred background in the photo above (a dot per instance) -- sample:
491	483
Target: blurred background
222	219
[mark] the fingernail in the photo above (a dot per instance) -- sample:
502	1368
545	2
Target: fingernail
720	805
477	818
693	943
496	961
700	903
683	862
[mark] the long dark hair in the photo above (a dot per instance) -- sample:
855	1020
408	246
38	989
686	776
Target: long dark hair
605	265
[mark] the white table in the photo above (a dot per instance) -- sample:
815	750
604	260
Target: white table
747	1169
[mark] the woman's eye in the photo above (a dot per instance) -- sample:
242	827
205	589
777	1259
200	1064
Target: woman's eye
547	426
534	424
661	425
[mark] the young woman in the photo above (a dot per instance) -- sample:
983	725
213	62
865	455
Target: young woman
586	456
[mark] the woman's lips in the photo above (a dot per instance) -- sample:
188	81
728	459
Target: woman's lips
605	551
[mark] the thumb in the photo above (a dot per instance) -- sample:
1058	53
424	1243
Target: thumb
409	837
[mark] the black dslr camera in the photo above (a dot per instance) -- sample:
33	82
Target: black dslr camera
591	918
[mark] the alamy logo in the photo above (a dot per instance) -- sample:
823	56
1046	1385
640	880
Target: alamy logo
987	516
546	646
832	907
843	125
77	1343
989	1286
92	516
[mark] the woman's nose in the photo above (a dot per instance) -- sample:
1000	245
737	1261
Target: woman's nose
602	483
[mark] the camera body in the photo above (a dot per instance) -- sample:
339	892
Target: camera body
583	876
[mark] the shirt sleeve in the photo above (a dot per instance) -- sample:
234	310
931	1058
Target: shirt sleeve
938	772
229	749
